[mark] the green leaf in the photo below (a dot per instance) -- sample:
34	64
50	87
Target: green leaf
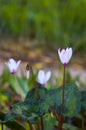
31	106
72	104
32	94
26	111
23	85
13	125
13	84
37	106
52	100
67	126
83	100
10	117
49	122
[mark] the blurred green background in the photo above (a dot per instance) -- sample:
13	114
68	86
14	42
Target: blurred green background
47	24
56	23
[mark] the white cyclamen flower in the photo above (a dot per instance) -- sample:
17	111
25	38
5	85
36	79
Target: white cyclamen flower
13	65
43	77
65	55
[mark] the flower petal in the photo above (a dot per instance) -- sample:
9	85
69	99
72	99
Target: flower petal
12	65
65	55
70	53
12	62
61	55
41	76
47	76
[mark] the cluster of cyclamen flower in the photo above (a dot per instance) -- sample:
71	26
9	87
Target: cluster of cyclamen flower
43	77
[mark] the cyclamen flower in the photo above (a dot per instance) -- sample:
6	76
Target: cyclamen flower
43	77
65	55
13	65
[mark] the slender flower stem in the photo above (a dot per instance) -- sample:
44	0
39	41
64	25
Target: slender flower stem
83	121
61	118
38	126
31	126
56	115
42	124
63	88
2	128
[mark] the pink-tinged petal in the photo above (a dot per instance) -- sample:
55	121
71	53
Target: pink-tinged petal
67	49
59	51
41	76
70	53
62	55
63	52
12	65
65	55
9	66
12	62
47	76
